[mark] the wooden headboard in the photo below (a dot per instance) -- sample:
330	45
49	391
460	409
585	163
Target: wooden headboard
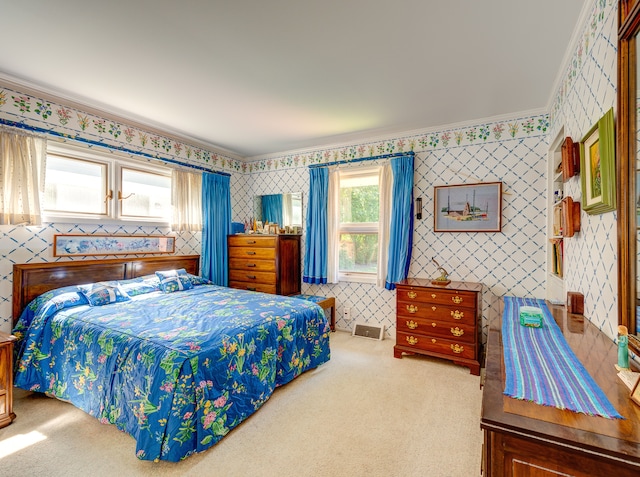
33	279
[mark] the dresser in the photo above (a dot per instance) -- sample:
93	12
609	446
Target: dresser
441	321
265	263
6	379
524	439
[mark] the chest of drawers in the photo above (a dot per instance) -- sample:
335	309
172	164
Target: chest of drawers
265	263
440	321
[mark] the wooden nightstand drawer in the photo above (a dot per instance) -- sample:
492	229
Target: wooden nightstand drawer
252	264
442	297
436	311
457	331
435	344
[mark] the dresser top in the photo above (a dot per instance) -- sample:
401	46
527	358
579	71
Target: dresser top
426	283
619	438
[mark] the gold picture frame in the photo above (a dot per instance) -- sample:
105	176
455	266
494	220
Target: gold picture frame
597	167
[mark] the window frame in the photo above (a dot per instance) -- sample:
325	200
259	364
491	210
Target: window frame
357	227
114	163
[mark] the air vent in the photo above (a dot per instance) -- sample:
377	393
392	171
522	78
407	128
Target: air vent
366	330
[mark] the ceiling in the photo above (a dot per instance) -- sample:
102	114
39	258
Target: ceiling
257	77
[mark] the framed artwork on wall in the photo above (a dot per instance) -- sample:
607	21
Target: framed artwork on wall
468	207
81	245
597	167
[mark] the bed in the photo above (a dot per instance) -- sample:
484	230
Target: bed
149	346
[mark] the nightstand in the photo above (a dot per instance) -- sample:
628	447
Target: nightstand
6	379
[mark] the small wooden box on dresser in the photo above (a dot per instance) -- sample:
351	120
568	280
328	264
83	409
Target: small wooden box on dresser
441	321
6	379
265	263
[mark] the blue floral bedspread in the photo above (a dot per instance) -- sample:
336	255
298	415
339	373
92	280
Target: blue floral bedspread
177	371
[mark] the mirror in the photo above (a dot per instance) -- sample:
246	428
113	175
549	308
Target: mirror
283	209
627	169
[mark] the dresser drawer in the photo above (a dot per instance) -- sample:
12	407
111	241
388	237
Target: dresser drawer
436	311
267	278
436	344
259	287
455	331
251	264
252	241
257	253
443	297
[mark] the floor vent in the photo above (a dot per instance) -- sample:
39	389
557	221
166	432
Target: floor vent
366	330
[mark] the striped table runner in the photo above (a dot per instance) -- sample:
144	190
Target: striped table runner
541	367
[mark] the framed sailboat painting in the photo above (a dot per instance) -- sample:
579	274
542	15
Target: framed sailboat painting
468	207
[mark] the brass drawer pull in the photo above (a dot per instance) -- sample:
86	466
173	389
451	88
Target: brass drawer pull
434	325
456	348
433	340
457	331
251	277
412	308
456	299
457	315
251	242
251	253
412	294
433	295
433	308
251	265
251	288
412	324
411	340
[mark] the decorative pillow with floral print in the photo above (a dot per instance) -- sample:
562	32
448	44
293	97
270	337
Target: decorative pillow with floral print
174	280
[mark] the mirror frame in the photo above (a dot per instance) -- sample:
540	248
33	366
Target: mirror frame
628	28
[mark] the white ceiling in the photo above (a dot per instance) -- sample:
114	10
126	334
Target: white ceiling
255	77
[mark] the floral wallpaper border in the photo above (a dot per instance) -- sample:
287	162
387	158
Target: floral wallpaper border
44	116
597	17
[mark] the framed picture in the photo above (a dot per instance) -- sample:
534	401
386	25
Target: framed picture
79	245
597	167
468	207
635	393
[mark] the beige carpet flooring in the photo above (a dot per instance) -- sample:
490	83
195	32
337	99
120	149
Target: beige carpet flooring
364	413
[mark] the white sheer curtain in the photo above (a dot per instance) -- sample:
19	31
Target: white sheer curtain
384	223
186	198
22	168
333	217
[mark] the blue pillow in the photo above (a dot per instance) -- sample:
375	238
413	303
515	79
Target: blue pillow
174	280
103	293
198	280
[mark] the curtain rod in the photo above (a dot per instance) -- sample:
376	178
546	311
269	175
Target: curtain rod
360	159
46	132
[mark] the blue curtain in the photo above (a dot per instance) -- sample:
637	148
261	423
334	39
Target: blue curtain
216	225
315	257
401	226
272	209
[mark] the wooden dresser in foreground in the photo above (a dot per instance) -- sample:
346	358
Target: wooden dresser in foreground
6	379
265	263
523	439
441	321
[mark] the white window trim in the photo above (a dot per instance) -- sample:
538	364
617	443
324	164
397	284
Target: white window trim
114	160
358	227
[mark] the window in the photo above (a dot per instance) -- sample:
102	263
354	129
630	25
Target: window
358	224
88	186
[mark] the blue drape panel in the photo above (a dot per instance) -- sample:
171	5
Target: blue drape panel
272	209
401	227
216	225
315	257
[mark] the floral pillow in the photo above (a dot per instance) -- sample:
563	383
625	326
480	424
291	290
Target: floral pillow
174	280
140	285
103	293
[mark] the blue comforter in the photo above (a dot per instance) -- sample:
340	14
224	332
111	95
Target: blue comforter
177	370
